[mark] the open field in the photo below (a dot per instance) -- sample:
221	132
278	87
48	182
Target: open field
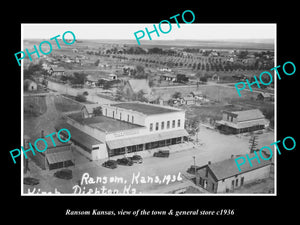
34	105
63	104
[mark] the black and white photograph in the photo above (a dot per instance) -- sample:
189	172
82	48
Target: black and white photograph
107	115
131	114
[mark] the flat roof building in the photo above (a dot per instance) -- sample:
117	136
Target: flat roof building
128	127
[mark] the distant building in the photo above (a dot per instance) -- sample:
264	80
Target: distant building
127	128
57	71
264	97
188	100
242	121
88	110
224	176
197	94
169	77
112	76
30	85
134	86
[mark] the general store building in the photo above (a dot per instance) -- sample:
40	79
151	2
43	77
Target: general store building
127	128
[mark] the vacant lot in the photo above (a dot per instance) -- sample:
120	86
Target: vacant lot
206	113
34	105
63	104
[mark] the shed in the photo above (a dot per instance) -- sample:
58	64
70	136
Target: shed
30	85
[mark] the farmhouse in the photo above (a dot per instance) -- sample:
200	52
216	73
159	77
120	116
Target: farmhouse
224	176
169	77
125	128
242	121
188	100
57	71
264	97
88	110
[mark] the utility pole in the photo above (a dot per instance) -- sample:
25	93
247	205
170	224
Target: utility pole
194	157
253	143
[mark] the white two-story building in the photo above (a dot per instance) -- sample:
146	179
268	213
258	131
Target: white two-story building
125	128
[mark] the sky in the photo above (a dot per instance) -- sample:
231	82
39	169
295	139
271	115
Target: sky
195	31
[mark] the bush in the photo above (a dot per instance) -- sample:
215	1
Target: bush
80	98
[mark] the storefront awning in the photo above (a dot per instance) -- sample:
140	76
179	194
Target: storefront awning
120	143
57	157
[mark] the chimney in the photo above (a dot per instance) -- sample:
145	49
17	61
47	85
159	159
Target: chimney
42	134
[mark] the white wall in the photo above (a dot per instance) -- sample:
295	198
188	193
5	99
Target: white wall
250	176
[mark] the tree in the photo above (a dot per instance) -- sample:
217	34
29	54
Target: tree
119	94
203	79
80	98
177	95
78	78
140	96
107	85
97	62
97	111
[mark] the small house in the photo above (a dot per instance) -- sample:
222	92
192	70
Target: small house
112	76
188	100
264	97
57	71
30	85
169	77
88	110
134	86
197	94
224	176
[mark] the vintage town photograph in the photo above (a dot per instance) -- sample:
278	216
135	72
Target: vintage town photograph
160	118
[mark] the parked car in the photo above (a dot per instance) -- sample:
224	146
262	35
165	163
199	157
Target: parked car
192	169
136	159
125	161
64	174
112	164
31	181
161	153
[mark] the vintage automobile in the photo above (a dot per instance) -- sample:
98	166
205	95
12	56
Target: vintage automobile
125	161
162	153
112	164
136	159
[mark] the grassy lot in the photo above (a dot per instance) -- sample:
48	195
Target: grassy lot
34	105
208	112
65	105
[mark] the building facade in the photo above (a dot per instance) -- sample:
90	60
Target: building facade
224	176
128	128
242	121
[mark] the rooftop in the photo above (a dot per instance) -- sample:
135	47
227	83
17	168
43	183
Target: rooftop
252	114
78	135
228	168
140	85
147	109
104	123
